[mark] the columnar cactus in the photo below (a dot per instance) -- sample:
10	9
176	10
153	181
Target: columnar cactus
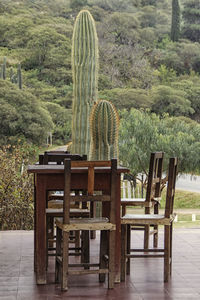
104	126
19	76
4	68
11	75
85	79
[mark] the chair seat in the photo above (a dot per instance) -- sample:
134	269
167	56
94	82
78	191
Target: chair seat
136	202
74	212
86	224
147	219
55	203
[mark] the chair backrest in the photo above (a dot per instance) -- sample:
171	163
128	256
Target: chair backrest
58	157
172	173
89	195
154	176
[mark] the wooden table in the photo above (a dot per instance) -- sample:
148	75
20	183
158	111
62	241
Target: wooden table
51	177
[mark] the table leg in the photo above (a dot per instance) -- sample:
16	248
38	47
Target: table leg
40	232
118	232
35	223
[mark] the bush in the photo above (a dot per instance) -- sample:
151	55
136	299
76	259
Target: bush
16	190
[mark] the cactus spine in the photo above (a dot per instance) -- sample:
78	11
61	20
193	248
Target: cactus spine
85	79
104	126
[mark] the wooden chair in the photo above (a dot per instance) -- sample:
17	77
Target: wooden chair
152	198
146	219
106	226
55	204
55	201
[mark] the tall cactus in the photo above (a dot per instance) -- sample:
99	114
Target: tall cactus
104	125
85	79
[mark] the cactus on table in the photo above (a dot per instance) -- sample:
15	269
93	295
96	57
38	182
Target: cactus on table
104	126
85	79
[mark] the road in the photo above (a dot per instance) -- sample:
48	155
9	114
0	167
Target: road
188	183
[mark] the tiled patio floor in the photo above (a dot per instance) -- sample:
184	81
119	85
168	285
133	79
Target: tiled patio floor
17	279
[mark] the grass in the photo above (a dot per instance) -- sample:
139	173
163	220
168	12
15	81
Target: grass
183	200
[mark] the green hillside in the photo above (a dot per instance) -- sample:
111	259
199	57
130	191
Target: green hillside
140	66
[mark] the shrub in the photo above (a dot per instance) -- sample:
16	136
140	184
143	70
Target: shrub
16	194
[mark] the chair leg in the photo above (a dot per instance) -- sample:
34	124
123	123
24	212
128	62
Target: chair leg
171	235
51	231
47	241
128	248
146	236
92	215
64	269
123	251
155	235
166	252
77	240
111	274
85	247
146	231
103	252
58	253
49	235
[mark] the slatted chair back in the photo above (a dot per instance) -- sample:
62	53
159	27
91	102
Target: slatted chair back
58	157
154	176
172	173
89	196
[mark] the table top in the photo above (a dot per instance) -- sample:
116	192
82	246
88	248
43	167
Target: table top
56	169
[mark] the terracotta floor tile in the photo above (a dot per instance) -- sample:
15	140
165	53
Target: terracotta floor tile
17	278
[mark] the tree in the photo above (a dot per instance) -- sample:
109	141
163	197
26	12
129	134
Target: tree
78	3
127	98
190	84
191	18
175	24
181	56
170	100
21	116
142	132
62	119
